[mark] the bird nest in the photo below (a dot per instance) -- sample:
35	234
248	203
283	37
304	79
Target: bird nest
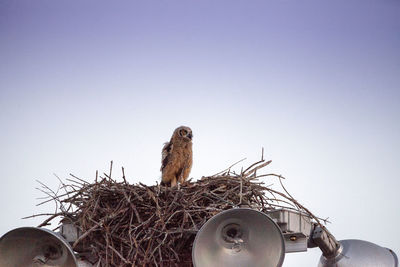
124	224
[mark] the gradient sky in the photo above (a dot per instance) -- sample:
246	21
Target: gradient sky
316	83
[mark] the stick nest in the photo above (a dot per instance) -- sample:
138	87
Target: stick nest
126	224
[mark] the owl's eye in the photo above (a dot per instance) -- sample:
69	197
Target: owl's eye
183	132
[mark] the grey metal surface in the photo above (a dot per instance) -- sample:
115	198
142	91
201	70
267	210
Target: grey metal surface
325	241
296	228
31	246
239	237
69	231
356	253
83	263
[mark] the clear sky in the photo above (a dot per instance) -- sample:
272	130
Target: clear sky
316	83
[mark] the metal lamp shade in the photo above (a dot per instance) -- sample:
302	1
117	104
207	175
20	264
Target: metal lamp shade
31	246
355	253
239	237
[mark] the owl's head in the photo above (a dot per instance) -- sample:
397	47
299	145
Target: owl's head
184	133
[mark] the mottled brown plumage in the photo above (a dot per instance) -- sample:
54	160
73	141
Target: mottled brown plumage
176	160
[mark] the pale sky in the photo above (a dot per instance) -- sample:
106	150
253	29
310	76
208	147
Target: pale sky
316	83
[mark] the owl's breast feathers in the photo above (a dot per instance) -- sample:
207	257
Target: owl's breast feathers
177	154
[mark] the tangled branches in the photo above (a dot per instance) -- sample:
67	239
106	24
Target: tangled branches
139	225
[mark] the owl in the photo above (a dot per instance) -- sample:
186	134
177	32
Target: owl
176	157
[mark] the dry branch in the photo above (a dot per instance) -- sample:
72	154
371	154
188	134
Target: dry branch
139	225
